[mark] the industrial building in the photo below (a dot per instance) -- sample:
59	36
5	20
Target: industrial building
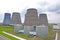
43	19
7	19
33	24
31	17
15	18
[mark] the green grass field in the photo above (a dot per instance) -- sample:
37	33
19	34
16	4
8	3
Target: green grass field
10	29
4	28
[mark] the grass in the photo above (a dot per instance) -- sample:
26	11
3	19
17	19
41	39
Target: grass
59	35
10	29
51	34
4	28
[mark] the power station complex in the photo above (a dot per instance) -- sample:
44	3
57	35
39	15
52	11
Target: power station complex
33	24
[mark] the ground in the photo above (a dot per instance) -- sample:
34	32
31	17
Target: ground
59	35
4	28
10	29
3	38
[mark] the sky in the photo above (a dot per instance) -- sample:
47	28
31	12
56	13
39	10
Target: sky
49	7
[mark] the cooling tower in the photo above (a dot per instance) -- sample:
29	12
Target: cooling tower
43	19
7	19
18	28
31	20
31	17
16	18
42	31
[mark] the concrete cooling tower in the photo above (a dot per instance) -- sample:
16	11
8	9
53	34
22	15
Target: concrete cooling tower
31	17
42	29
31	20
16	18
7	19
43	19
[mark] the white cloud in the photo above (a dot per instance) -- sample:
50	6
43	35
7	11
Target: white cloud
20	5
53	17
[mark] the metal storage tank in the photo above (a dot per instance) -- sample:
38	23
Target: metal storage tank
7	19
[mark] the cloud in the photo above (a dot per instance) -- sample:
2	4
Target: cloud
53	17
54	7
51	7
1	17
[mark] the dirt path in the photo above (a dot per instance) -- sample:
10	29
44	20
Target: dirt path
3	38
59	36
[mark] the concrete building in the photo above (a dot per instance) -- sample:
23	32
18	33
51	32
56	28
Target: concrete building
16	22
42	29
16	18
31	20
7	19
56	27
43	19
33	25
18	28
59	25
31	17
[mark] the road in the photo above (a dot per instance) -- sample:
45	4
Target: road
58	36
3	38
